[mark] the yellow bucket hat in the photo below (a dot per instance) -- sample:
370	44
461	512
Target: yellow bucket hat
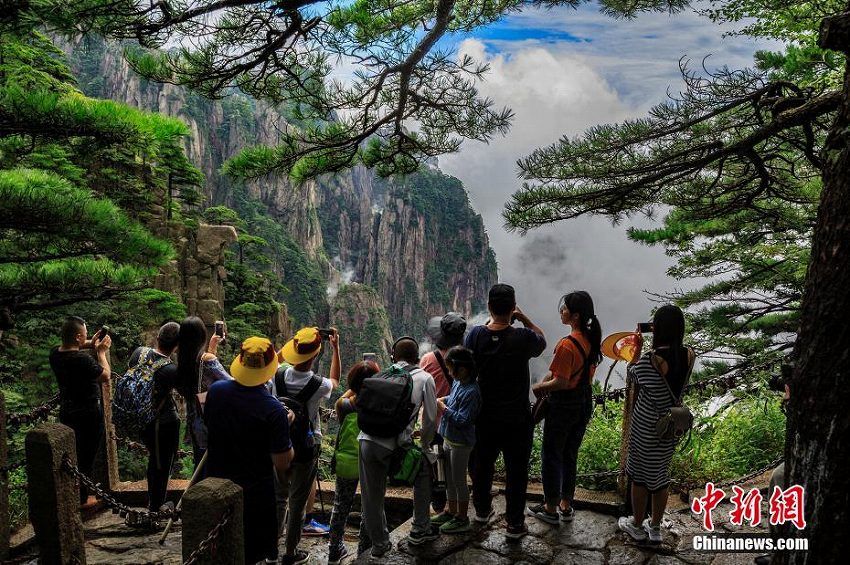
256	362
306	344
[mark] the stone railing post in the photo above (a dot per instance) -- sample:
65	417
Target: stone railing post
628	406
203	506
54	495
4	483
108	472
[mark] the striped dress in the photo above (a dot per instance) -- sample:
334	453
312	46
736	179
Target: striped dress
648	462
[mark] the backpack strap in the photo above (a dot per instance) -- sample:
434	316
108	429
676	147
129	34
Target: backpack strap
306	393
442	363
584	361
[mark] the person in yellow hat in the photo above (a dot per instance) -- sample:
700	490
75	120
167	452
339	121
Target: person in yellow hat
249	442
304	390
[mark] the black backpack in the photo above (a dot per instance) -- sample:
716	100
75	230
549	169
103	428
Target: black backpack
384	405
301	428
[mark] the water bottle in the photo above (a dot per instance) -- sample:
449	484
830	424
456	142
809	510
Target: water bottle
440	466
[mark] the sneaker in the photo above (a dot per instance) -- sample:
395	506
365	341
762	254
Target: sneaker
418	538
336	557
567	515
441	519
456	526
539	511
626	524
516	531
653	533
314	528
485	518
299	557
377	554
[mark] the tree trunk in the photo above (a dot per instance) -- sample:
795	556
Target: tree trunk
817	449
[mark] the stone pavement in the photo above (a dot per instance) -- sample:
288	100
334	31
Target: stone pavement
593	539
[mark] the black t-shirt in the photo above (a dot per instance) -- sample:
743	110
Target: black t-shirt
245	425
78	375
164	381
501	358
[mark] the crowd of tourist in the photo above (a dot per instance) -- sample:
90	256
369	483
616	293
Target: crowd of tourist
433	423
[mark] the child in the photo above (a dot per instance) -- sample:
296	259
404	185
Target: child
459	411
345	461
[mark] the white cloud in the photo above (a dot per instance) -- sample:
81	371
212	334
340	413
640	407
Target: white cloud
552	94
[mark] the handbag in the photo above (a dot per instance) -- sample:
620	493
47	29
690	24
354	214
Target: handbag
676	420
405	465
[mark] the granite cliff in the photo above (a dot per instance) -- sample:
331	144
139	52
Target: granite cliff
414	246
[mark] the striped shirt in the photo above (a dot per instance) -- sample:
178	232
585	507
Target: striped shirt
649	457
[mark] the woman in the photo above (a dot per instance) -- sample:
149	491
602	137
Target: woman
197	370
660	374
570	403
346	462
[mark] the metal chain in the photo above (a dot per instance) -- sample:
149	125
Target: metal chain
141	448
36	414
619	394
750	476
133	516
208	543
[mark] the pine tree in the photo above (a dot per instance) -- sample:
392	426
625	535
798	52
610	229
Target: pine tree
70	168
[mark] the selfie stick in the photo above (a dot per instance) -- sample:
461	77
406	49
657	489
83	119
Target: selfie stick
192	481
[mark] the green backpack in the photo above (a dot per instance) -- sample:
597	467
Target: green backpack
346	454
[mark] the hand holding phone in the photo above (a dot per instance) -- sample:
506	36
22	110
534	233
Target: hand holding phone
220	329
101	333
645	327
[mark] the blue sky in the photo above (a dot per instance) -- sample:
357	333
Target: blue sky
563	71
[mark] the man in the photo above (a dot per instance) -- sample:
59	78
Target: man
377	452
446	332
162	435
248	442
300	383
504	424
79	376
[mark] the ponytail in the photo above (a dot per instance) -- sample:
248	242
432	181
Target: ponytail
579	302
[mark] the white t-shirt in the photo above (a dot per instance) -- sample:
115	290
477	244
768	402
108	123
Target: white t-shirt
424	397
295	381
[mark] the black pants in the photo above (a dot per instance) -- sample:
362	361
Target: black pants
162	446
512	436
562	434
88	432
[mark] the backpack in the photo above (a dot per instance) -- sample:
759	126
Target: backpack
301	428
345	460
384	405
132	401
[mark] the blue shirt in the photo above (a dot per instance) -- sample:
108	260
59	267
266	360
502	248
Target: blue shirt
462	407
245	426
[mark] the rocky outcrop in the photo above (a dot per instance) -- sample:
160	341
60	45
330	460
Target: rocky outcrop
358	313
197	274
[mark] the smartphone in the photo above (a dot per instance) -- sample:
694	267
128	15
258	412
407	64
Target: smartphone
325	332
645	327
373	357
219	328
101	333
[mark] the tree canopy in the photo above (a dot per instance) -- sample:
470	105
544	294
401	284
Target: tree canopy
70	169
364	81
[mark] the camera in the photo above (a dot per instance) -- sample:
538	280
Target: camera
325	333
101	333
646	327
777	382
220	328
